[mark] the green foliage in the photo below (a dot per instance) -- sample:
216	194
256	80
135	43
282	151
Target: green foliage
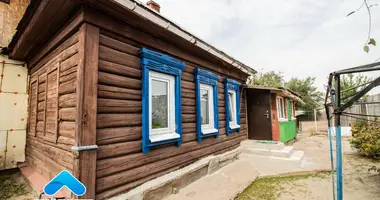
372	42
349	81
308	91
366	48
366	139
268	79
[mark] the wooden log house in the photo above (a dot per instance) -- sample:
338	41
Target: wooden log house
98	70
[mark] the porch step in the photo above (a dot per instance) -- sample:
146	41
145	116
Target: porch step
262	144
285	152
297	155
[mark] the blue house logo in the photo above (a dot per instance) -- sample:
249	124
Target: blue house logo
64	178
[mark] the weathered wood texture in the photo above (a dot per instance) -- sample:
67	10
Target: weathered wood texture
86	110
51	125
121	165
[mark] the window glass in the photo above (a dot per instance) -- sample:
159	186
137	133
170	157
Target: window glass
205	118
232	107
159	104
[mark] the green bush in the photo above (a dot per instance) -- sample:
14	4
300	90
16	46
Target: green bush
366	139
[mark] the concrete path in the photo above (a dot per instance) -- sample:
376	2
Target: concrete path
229	181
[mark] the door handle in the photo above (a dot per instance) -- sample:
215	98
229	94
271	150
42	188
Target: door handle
266	114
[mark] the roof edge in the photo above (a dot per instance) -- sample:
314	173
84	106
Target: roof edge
144	11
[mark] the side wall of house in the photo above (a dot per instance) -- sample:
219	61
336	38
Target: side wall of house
52	107
275	125
121	165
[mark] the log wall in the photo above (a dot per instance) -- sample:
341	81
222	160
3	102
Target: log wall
121	165
52	110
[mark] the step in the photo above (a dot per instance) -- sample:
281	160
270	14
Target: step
262	144
297	155
285	152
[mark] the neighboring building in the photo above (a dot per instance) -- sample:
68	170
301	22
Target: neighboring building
13	89
271	113
100	71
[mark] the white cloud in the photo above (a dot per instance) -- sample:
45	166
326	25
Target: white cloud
299	37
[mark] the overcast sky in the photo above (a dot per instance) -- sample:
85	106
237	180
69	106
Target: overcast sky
298	37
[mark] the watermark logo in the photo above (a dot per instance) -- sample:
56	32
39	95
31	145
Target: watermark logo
64	178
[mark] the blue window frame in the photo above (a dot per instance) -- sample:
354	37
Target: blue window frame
161	99
232	102
206	91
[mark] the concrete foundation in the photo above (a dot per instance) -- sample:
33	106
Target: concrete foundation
173	182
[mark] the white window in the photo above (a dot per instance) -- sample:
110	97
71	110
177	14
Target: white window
162	107
232	109
207	109
280	108
292	109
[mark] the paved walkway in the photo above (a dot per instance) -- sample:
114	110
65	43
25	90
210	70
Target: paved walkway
229	181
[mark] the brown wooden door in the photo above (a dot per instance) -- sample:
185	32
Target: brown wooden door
259	115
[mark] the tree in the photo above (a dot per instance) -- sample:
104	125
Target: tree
309	93
350	84
268	79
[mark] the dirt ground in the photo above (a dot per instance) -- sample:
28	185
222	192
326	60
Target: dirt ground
14	186
358	182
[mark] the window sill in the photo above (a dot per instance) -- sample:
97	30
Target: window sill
163	137
234	126
209	131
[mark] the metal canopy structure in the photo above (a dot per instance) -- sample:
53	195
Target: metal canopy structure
335	108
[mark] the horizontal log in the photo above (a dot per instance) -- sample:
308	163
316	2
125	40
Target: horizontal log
69	63
118	149
42	87
118	45
40	126
102	102
67	100
66	140
117	135
124	163
188	118
68	71
42	78
41	116
62	157
117	120
68	87
188	85
104	110
106	66
67	129
188	76
119	81
118	95
117	179
41	96
44	165
67	114
188	109
188	102
189	137
114	56
119	90
68	77
186	93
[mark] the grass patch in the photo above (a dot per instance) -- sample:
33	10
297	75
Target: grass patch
9	187
270	188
